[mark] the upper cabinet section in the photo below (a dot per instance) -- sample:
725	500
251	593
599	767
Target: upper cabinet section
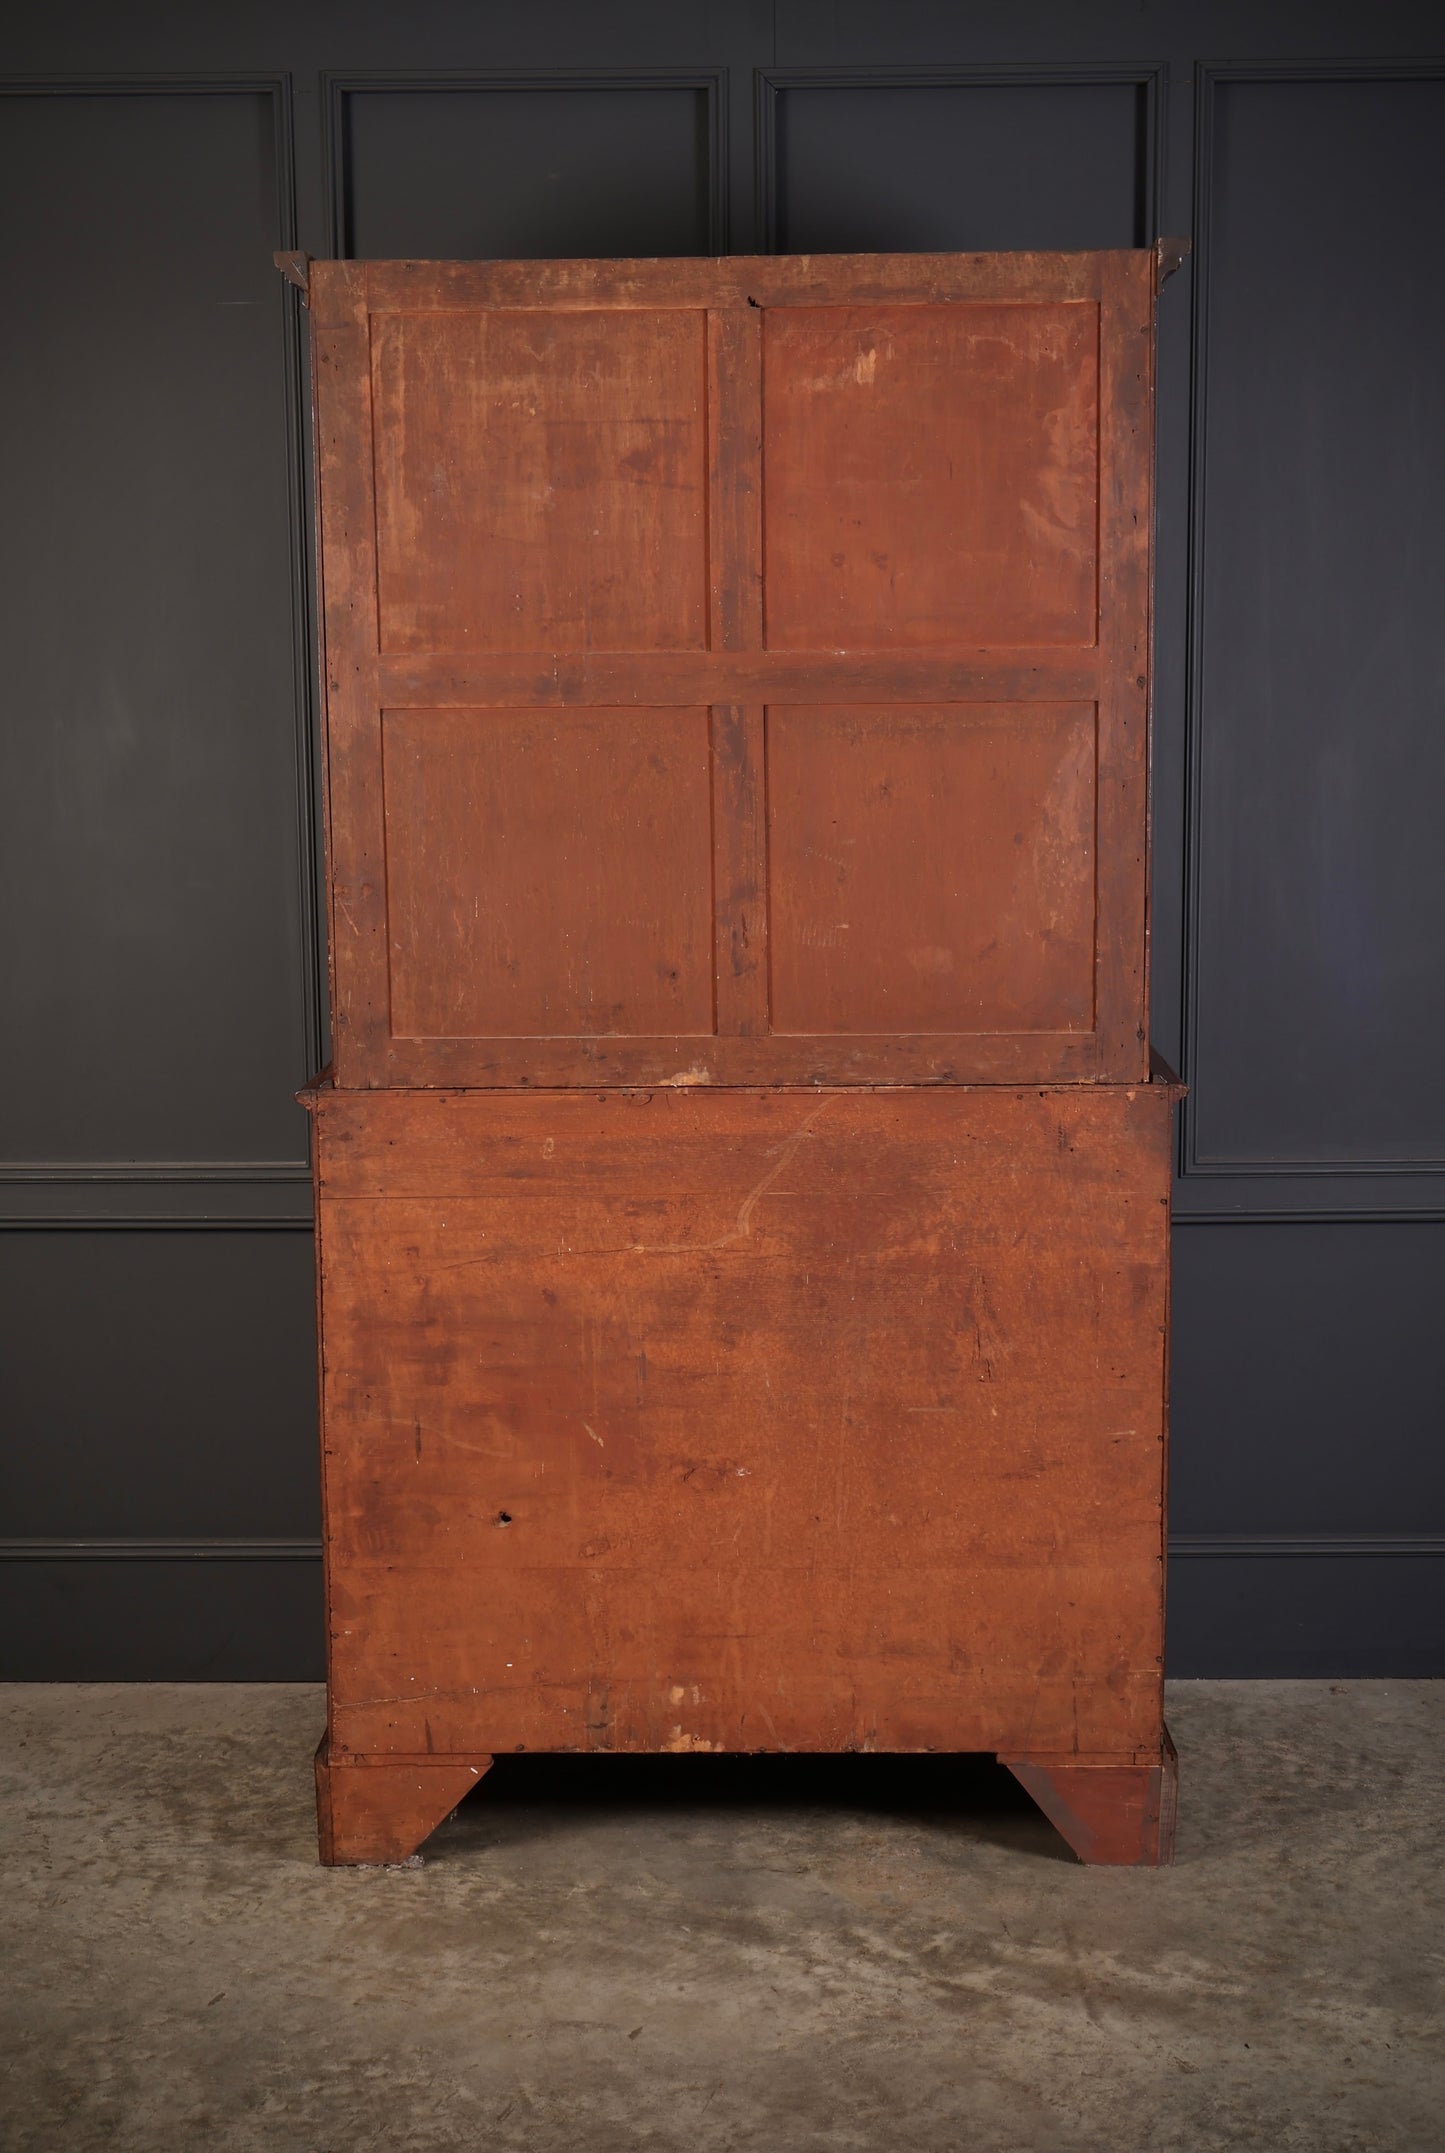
737	670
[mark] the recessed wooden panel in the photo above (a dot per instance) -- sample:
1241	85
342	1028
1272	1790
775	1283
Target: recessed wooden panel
931	869
745	1421
930	475
541	480
548	872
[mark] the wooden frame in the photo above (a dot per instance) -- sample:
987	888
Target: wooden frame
734	675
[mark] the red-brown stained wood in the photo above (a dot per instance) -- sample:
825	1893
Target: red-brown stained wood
379	1809
735	477
550	872
931	867
1020	675
356	840
541	474
931	475
737	676
740	871
913	489
737	280
773	1058
1119	1816
1126	518
745	1421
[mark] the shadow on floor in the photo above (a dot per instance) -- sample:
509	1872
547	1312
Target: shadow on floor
969	1797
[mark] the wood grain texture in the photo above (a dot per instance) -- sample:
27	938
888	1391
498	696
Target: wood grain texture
1020	674
549	872
931	475
747	687
1126	519
355	838
931	865
846	499
541	480
735	477
682	1059
378	1810
740	871
745	1421
1112	1815
758	280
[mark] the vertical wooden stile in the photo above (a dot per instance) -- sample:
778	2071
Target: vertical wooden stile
735	480
355	820
1126	510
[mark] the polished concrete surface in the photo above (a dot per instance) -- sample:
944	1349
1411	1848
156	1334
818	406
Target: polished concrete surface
857	1954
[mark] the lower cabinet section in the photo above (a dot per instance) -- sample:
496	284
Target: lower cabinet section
729	1421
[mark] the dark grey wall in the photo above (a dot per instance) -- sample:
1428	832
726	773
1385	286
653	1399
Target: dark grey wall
158	869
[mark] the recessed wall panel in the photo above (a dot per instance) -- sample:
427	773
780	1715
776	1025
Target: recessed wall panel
965	165
525	172
151	984
1306	1378
1319	980
158	1383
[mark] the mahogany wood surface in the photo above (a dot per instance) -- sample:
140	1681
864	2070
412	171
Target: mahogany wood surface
1118	1816
374	1810
736	671
745	1421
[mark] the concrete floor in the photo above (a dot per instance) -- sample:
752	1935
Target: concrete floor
855	1955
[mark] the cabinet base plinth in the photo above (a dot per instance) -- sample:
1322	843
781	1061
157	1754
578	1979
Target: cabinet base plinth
374	1810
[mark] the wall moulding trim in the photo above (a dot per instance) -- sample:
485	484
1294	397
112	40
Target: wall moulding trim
138	1186
1321	1215
158	85
336	87
1203	1168
157	1222
1188	1546
1193	1165
771	83
207	1172
278	88
126	1549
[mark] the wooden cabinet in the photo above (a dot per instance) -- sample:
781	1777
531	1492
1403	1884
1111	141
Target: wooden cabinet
743	1198
737	671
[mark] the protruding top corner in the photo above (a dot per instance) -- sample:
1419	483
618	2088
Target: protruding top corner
1169	255
296	269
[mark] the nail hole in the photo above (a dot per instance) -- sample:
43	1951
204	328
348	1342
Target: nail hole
504	1517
